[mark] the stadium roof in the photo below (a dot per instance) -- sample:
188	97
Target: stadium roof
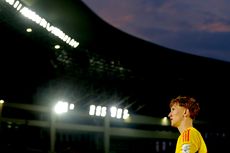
108	66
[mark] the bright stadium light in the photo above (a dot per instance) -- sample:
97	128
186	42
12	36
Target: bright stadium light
63	107
92	109
165	121
119	113
125	114
114	112
98	111
103	111
42	22
1	107
71	106
1	101
59	108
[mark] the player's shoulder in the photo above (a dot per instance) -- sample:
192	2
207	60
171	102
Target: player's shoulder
194	132
191	130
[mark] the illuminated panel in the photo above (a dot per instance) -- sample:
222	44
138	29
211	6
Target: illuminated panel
114	112
42	22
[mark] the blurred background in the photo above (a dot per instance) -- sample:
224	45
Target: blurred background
112	87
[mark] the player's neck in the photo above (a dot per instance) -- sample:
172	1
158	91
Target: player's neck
186	123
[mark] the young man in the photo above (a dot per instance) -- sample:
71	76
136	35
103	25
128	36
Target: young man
183	112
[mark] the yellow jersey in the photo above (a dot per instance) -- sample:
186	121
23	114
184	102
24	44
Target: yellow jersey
191	141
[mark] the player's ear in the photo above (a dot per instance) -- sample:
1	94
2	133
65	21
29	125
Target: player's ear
186	112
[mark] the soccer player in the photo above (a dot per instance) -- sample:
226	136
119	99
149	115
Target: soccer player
183	111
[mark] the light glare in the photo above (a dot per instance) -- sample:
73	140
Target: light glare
98	111
1	101
119	113
61	107
92	109
164	121
103	111
125	114
71	106
113	111
28	30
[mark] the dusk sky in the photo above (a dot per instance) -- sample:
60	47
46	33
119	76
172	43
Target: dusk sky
192	26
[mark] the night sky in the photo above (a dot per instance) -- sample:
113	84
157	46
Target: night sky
195	27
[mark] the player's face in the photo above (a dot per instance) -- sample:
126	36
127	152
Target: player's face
176	115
